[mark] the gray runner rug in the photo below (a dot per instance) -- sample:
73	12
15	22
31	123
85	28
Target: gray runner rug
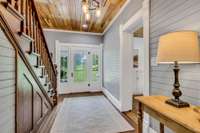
91	114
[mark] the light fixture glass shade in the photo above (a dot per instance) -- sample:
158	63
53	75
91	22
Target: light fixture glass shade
85	7
182	46
87	16
98	12
85	26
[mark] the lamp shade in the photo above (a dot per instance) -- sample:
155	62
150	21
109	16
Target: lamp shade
182	46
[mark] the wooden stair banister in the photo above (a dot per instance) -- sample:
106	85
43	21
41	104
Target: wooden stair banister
31	29
35	73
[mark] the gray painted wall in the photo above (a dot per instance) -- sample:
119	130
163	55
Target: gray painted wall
51	37
167	16
7	85
111	49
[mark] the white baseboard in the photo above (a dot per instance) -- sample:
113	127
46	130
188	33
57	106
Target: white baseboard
114	101
72	90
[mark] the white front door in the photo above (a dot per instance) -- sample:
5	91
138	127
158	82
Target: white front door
80	69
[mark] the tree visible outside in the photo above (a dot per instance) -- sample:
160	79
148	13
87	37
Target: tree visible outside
63	69
80	67
95	67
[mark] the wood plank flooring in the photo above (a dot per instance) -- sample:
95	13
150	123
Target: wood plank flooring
48	122
132	119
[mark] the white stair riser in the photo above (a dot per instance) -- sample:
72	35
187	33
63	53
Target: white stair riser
33	60
38	71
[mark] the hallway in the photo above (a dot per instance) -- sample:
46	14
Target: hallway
89	114
99	66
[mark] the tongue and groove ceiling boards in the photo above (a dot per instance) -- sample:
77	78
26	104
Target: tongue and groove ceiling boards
68	14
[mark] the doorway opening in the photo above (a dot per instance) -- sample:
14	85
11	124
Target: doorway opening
138	61
134	59
79	68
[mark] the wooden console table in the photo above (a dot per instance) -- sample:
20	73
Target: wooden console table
184	120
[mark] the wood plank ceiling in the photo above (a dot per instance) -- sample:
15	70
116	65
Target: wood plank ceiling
68	15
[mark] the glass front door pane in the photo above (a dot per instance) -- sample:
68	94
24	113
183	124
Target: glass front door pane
80	67
64	66
95	67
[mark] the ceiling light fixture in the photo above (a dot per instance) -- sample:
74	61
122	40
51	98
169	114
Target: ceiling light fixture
98	12
85	25
84	6
90	7
87	16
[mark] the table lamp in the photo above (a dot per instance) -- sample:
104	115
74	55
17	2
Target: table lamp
178	48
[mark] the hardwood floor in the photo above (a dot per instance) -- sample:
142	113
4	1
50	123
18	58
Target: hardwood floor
46	127
132	118
48	122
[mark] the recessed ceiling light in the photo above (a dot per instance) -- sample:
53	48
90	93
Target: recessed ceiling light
85	25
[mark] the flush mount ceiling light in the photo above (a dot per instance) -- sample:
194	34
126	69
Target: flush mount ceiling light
85	26
91	6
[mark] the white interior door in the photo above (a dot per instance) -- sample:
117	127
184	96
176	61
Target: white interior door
138	49
80	69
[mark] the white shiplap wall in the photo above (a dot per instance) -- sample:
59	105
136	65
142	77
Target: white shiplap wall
167	16
7	85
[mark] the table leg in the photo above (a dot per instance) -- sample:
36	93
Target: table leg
140	118
162	129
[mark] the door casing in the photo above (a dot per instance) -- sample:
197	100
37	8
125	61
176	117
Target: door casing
77	90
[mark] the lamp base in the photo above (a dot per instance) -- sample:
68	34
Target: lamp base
177	103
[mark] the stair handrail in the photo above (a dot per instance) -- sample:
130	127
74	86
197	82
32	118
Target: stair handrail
45	42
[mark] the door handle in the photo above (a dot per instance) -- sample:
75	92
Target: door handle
72	74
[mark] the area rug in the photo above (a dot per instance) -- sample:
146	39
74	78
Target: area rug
91	114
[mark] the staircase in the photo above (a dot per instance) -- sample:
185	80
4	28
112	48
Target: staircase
20	22
33	43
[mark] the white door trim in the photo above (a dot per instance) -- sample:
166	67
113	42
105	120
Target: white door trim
77	44
58	45
126	30
141	17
